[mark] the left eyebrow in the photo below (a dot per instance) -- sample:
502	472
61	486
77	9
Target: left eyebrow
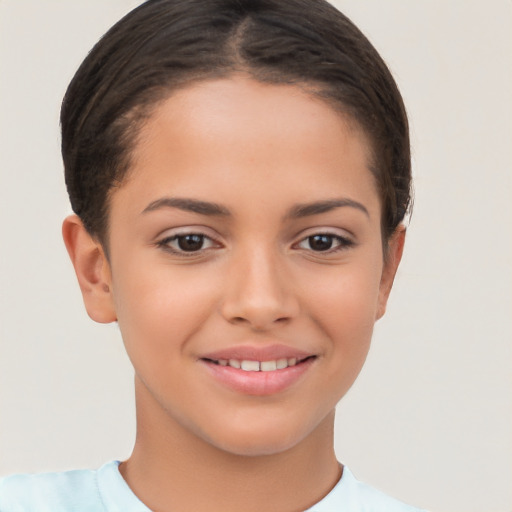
317	207
189	205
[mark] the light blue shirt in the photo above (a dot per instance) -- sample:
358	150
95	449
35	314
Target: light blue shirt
105	490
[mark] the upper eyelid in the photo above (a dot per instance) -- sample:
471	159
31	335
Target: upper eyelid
185	233
165	237
344	239
187	230
331	231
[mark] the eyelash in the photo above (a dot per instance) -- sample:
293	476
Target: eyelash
165	244
343	243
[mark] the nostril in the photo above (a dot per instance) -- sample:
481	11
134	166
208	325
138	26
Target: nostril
238	320
259	325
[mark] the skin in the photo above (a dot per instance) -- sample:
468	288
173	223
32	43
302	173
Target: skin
259	151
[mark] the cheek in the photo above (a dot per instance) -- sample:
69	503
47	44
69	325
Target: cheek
159	308
345	305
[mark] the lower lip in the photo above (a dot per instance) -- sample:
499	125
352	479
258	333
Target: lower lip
258	383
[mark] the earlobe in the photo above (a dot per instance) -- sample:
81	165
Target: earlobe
92	270
395	250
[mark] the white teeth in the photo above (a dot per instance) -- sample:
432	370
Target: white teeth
250	366
268	366
257	366
282	363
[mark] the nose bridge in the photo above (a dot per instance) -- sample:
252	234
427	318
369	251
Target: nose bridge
258	291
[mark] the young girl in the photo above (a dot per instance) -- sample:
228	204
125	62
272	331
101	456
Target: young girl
239	171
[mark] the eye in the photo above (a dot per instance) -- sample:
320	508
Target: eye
325	242
187	243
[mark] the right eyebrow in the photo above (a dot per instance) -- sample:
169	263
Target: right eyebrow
188	205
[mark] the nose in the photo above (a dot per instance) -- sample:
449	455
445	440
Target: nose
259	292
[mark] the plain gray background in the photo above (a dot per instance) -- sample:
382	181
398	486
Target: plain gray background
430	418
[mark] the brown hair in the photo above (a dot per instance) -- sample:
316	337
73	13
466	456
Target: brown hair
166	44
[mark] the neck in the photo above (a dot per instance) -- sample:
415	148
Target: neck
173	469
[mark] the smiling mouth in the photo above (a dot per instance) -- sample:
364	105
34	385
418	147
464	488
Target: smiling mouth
248	365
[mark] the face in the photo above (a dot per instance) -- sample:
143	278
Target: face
246	265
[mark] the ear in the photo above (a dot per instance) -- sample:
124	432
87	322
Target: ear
92	270
395	248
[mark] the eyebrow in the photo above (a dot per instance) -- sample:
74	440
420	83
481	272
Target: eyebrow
317	207
188	205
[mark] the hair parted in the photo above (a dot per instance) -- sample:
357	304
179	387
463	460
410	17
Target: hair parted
163	45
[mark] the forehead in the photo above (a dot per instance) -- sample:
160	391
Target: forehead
220	103
235	137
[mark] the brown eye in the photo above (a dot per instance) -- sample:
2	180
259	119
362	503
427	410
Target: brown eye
187	243
190	243
321	242
325	242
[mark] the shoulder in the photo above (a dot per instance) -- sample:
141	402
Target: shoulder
51	492
351	494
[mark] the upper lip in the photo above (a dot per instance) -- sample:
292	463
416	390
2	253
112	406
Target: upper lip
257	353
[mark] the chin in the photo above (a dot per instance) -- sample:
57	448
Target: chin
257	446
263	438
